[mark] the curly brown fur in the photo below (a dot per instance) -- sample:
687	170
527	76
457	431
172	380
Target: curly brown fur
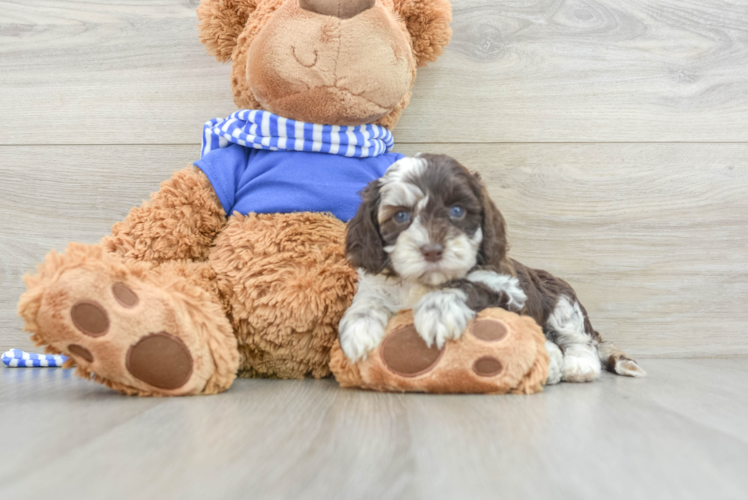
221	23
428	24
288	283
179	222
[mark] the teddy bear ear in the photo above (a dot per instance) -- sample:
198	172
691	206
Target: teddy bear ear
428	24
220	24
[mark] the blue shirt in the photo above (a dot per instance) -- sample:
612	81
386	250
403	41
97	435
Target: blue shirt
248	180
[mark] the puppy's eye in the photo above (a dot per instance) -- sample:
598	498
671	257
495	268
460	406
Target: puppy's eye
456	212
402	216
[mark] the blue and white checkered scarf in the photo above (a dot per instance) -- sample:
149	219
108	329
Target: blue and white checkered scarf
264	130
16	358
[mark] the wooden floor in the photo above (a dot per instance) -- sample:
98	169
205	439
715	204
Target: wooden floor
679	434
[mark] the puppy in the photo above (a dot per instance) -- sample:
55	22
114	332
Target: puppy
428	237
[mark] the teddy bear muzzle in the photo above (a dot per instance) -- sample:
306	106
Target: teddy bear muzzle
343	9
350	62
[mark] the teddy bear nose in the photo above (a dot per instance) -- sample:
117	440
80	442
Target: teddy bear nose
343	9
432	252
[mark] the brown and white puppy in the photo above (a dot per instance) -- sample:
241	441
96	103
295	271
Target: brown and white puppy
427	236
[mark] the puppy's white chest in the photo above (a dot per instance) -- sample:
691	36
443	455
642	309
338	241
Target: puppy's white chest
411	294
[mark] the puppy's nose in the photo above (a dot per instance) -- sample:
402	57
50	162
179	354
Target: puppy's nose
432	252
343	9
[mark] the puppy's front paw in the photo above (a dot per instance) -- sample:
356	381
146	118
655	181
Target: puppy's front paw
360	334
441	316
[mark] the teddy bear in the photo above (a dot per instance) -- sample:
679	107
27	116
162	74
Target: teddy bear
236	265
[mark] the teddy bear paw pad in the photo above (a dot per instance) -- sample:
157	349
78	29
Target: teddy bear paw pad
487	366
489	330
405	353
160	360
124	295
80	352
90	318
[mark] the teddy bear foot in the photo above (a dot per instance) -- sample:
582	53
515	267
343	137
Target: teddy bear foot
138	330
499	352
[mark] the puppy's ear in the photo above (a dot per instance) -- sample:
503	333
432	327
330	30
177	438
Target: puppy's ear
363	243
428	24
494	246
221	23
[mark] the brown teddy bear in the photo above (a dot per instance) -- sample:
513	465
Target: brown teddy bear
236	265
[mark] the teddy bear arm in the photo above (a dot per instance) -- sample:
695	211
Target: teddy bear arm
180	221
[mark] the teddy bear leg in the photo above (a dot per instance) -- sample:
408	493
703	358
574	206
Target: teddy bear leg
286	283
139	329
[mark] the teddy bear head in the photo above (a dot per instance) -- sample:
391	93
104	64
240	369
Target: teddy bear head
335	62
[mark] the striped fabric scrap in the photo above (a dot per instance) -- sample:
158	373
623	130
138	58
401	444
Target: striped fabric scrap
264	130
16	358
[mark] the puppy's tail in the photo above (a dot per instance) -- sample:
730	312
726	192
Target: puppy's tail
616	361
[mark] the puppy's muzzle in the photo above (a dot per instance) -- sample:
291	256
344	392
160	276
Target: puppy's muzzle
432	252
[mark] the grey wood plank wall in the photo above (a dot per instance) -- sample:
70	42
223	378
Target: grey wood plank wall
613	135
